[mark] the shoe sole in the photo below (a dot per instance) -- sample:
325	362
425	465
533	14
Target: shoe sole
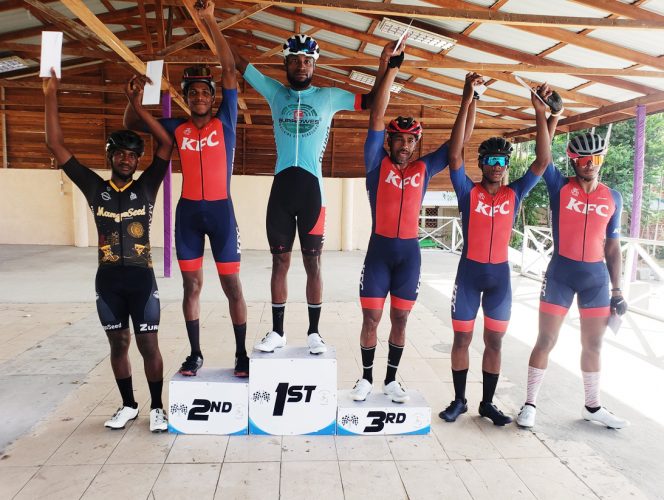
525	426
187	373
257	348
442	417
496	424
317	351
605	425
241	374
158	431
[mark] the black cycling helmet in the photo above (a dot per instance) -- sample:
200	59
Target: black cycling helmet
495	146
125	139
195	74
586	145
405	125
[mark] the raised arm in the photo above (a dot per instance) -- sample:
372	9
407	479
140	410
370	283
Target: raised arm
386	58
134	93
55	141
542	141
460	132
228	78
381	95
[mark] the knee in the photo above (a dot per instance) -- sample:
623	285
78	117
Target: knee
399	318
192	287
119	345
545	343
493	341
462	341
312	264
233	289
370	324
280	262
592	346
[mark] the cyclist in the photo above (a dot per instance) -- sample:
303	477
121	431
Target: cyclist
396	185
586	256
488	211
206	144
125	282
302	114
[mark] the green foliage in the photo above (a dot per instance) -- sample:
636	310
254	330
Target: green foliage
617	171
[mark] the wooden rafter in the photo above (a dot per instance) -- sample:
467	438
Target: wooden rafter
484	16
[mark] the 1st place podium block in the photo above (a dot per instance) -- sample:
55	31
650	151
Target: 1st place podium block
293	392
379	415
212	402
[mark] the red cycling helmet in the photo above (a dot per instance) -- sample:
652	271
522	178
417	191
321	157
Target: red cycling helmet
405	125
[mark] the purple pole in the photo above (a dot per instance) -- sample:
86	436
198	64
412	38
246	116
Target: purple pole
168	216
639	161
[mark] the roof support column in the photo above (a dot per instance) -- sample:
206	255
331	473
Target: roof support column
639	161
80	212
168	216
347	209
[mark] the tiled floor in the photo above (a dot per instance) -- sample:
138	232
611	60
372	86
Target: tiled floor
69	454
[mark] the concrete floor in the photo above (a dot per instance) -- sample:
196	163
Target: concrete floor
56	389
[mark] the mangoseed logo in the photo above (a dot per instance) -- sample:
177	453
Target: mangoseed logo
303	120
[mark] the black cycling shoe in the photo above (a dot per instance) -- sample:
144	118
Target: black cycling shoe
490	411
191	365
452	412
241	367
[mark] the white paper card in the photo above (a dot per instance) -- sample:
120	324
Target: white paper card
480	89
518	79
152	91
614	322
51	53
403	36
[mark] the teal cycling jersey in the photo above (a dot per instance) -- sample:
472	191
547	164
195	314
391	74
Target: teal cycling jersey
301	119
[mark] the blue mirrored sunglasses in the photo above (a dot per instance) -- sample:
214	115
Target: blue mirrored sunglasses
493	161
296	45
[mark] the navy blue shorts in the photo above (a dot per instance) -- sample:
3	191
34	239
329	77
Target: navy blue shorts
391	265
489	283
196	218
124	291
565	277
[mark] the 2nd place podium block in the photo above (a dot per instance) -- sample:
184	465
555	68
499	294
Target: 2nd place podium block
293	392
213	402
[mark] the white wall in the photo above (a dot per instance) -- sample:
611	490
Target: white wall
40	207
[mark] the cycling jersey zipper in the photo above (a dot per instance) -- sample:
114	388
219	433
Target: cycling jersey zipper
400	204
121	240
493	214
585	228
200	156
297	132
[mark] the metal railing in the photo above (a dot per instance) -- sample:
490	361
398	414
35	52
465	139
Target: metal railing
643	275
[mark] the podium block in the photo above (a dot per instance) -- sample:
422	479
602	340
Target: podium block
212	402
379	415
293	392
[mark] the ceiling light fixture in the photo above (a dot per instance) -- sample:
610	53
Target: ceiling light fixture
369	80
395	28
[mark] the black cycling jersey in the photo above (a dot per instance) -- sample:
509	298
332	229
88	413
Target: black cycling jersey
122	215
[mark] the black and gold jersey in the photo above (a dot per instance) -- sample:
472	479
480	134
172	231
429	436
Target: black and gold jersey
122	215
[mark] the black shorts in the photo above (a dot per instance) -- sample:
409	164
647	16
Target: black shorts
124	291
295	200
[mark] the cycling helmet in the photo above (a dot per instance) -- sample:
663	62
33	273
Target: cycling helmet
124	139
495	146
195	74
586	145
301	44
405	125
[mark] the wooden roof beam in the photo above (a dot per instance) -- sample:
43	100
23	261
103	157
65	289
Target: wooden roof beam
79	9
483	16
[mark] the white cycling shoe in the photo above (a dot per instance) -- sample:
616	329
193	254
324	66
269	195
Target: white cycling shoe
361	390
158	420
121	417
395	392
526	416
316	344
270	342
605	417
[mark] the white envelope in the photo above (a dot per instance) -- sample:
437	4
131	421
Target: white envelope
51	53
152	91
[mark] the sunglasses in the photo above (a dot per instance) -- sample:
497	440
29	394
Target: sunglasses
594	159
493	161
295	45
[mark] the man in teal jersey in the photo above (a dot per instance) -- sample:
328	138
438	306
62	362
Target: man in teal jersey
302	114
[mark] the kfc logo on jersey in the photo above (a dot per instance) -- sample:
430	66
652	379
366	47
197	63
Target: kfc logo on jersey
490	211
196	145
584	208
413	180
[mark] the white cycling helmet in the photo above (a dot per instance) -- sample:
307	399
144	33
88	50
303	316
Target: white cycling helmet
586	145
301	44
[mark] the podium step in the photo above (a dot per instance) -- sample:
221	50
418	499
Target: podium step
212	402
292	392
379	415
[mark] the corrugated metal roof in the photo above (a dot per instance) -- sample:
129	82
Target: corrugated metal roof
506	36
